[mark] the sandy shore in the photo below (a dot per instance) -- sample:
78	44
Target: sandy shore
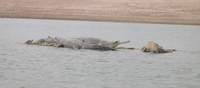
155	11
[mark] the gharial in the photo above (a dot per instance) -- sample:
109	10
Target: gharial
94	44
79	43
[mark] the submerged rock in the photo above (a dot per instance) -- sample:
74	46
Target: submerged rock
155	48
77	43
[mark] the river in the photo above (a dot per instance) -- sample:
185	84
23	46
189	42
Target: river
26	66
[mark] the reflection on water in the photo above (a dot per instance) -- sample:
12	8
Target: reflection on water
23	66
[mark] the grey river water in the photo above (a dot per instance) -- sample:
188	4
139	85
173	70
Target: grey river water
25	66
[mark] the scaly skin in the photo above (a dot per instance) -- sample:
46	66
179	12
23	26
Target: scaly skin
77	43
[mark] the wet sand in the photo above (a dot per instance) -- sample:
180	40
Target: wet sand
25	66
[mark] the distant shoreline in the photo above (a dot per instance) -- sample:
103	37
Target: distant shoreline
141	11
104	21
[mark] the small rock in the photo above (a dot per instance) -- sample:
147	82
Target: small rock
155	48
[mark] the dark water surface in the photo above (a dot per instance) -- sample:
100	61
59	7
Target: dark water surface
23	66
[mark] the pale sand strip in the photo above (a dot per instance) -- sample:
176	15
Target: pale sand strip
155	11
